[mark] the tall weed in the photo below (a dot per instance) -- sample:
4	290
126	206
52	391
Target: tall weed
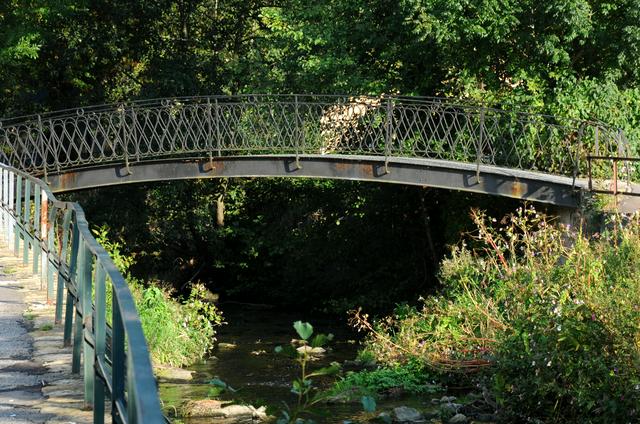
548	315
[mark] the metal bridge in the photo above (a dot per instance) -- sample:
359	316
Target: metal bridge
406	140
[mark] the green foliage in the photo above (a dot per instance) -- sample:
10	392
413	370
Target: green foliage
546	314
307	393
304	329
218	387
410	378
178	332
275	231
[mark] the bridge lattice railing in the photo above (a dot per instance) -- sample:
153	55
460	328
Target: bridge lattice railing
306	124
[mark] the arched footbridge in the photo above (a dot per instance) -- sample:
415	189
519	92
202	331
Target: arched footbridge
404	140
408	140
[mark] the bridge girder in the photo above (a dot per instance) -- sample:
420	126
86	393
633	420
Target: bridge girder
512	183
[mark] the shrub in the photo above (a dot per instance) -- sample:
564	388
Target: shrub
409	378
179	332
550	316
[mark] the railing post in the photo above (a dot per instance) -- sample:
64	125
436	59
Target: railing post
88	353
389	134
217	121
11	208
210	135
100	348
18	212
480	145
26	221
38	239
136	141
66	224
298	131
125	138
80	313
43	151
73	262
47	266
117	356
131	394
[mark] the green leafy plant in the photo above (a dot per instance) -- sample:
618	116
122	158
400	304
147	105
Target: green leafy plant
308	395
543	317
218	387
178	331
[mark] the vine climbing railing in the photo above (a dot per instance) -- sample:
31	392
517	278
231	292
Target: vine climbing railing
104	330
306	124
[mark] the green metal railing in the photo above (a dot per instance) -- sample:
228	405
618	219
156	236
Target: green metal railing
110	348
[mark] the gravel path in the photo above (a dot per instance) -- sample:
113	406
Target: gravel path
36	384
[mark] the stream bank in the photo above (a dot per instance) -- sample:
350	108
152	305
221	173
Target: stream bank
245	360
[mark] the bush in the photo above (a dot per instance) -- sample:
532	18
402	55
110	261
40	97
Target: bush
409	378
178	332
549	316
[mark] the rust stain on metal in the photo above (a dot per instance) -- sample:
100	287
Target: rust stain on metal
342	167
44	217
215	166
367	170
67	180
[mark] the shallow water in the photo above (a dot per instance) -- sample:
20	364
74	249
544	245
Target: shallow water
246	361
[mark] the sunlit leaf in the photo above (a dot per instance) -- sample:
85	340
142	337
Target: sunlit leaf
304	329
334	368
215	391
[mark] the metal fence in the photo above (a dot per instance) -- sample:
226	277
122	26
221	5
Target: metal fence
418	127
100	318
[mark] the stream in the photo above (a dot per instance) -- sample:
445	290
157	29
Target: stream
244	358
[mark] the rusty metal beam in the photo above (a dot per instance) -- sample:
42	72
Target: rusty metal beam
525	185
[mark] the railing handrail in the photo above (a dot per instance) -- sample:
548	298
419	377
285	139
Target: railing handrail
81	256
524	110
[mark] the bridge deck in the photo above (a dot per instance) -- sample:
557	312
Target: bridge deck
36	383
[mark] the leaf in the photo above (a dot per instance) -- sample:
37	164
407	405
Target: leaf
215	391
368	403
217	382
221	384
278	349
321	340
334	368
304	329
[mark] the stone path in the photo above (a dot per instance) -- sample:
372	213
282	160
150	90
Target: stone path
36	384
